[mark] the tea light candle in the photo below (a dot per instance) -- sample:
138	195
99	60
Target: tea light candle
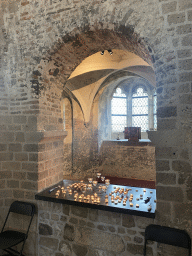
107	181
90	180
131	204
104	188
130	199
95	183
124	203
98	200
89	186
137	205
102	178
95	194
98	175
144	190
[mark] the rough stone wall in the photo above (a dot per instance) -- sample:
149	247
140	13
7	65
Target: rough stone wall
76	231
128	161
31	31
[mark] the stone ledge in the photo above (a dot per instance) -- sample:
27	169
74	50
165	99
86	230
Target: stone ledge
52	135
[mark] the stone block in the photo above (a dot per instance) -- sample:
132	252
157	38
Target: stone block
97	252
185	99
183	211
45	229
93	215
20	119
112	218
49	242
189	16
143	222
65	248
79	211
16	147
7	137
73	220
166	178
184	88
33	136
169	7
33	157
174	194
185	4
11	166
166	124
6	157
96	238
6	193
18	175
33	167
21	157
30	147
3	147
138	239
29	195
79	250
5	175
66	209
20	137
184	29
162	165
55	216
121	230
164	208
164	112
187	40
69	232
18	194
32	176
185	77
12	184
181	166
134	249
185	64
128	221
166	152
176	18
29	185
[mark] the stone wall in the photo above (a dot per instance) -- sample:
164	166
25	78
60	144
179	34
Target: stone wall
75	231
40	48
133	162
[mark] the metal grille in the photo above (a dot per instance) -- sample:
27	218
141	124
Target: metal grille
118	123
140	121
119	106
140	110
119	111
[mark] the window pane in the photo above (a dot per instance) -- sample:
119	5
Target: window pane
118	93
119	106
139	106
155	105
155	122
140	93
118	123
140	121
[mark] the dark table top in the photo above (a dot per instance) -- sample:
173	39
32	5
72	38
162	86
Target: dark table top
141	197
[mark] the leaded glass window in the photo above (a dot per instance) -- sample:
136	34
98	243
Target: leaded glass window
119	111
140	109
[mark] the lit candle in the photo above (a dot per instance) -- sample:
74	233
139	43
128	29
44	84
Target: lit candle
95	183
107	182
131	204
98	200
98	175
90	180
102	178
